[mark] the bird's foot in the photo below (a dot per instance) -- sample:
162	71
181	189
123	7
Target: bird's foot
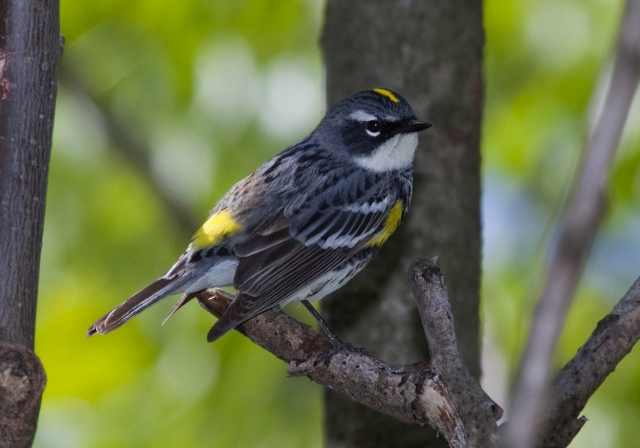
322	359
338	345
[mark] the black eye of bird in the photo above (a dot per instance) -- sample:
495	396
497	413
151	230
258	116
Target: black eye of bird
373	127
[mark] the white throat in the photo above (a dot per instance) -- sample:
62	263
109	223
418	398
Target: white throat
396	153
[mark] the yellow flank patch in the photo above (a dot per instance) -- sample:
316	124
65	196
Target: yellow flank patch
393	219
388	94
214	229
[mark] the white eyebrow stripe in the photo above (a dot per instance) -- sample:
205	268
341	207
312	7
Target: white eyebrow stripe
362	116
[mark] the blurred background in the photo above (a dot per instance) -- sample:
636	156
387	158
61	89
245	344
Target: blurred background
163	106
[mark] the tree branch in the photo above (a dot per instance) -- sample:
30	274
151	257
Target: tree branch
410	395
611	341
443	395
30	47
478	412
577	231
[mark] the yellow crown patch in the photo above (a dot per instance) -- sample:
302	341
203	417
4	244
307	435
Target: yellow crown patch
389	94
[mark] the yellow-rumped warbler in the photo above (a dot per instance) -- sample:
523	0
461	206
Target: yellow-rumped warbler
305	222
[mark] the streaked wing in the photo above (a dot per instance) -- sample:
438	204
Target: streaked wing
274	263
346	213
335	228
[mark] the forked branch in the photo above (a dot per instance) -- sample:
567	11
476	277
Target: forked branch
443	395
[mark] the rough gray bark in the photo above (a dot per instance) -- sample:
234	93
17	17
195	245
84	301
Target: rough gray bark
477	412
415	394
442	394
22	381
30	47
431	53
612	340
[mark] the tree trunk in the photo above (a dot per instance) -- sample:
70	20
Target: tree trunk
30	47
431	53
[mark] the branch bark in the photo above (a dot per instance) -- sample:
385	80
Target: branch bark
443	395
611	341
30	47
22	381
478	412
404	392
577	230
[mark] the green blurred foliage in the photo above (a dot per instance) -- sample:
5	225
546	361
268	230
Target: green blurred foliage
200	87
207	91
547	64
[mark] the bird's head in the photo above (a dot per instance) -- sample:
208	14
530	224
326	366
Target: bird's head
376	128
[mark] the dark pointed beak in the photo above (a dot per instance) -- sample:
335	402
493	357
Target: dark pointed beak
413	126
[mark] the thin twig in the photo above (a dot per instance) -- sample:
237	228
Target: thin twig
577	231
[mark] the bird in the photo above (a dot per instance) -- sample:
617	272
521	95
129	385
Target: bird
305	222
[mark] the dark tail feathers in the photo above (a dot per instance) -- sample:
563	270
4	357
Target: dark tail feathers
135	304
